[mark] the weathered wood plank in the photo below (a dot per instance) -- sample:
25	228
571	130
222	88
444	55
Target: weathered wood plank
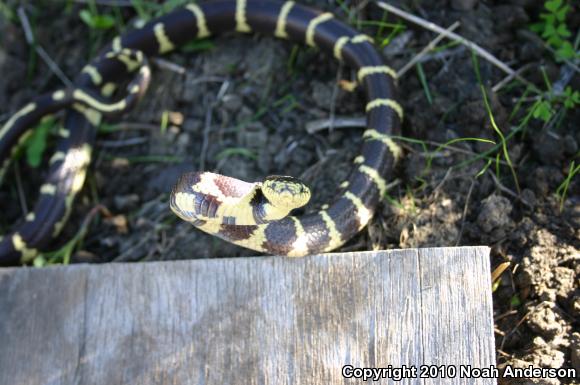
249	320
456	311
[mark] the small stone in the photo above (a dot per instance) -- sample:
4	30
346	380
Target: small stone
232	102
322	94
175	117
495	213
120	162
544	320
565	278
548	147
120	223
529	197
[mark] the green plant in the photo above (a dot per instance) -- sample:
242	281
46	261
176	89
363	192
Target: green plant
32	145
554	30
94	19
6	11
232	151
36	143
562	190
545	107
63	255
424	84
503	139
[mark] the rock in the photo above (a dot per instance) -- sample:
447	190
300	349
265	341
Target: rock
545	320
548	147
232	102
565	284
544	180
529	197
494	213
322	94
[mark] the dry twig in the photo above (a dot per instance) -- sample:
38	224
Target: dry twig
338	122
432	44
39	50
453	36
168	65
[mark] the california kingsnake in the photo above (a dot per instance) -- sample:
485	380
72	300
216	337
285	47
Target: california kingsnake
317	232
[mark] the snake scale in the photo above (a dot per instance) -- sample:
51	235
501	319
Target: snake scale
252	215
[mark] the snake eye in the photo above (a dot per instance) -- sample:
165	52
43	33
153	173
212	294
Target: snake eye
285	191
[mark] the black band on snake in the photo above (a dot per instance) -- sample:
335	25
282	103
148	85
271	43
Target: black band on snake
252	215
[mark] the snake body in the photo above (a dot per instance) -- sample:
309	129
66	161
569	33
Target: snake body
252	223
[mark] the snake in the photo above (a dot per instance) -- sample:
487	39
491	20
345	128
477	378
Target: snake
259	215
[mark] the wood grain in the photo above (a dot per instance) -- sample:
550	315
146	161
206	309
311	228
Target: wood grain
266	320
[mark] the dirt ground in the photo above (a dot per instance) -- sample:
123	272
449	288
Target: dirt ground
241	105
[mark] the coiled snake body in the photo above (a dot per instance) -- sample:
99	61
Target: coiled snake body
250	215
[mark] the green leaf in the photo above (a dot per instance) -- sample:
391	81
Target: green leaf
555	41
87	17
563	31
515	301
542	110
561	14
552	5
96	21
566	51
572	97
36	143
550	21
538	27
104	21
39	261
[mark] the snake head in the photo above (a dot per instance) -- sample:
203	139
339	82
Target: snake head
285	191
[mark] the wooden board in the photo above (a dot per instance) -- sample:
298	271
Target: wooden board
265	320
